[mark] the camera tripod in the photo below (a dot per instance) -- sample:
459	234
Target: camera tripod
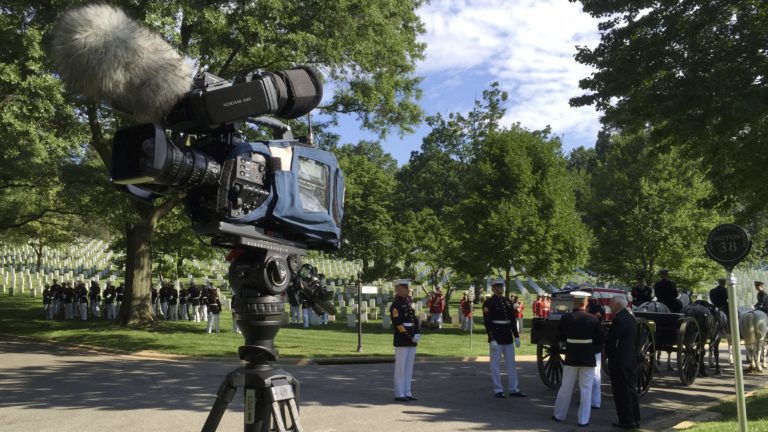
270	403
257	278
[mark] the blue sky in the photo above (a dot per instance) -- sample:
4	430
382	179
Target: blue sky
526	45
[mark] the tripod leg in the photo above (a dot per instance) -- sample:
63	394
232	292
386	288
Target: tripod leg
223	397
283	396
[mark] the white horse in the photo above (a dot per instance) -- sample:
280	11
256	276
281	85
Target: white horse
753	327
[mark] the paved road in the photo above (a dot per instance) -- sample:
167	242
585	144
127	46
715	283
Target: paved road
49	388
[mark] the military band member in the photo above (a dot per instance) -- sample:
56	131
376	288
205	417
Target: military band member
183	300
582	335
154	295
666	292
466	312
94	295
68	298
194	299
518	306
762	298
546	306
406	338
109	301
214	309
56	292
119	293
503	337
436	305
536	306
47	302
622	358
641	292
164	295
81	296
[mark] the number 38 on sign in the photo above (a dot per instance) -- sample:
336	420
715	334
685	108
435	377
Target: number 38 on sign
728	244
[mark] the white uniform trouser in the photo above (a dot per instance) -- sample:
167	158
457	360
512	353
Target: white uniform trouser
48	311
586	377
68	311
295	314
324	318
519	324
83	306
56	307
173	312
95	311
404	359
196	313
184	312
213	319
203	311
466	324
598	380
164	309
235	328
437	318
305	313
111	313
508	350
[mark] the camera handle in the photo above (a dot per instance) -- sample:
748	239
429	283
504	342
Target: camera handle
270	399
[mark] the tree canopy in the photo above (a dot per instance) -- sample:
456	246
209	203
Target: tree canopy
694	74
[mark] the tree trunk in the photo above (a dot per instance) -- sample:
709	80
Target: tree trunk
136	308
509	282
39	254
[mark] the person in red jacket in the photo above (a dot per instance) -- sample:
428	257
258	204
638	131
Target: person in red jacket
466	312
518	305
546	306
536	307
436	304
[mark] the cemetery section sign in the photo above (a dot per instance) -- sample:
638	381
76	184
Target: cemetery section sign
728	244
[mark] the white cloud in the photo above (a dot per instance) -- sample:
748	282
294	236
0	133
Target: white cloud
528	46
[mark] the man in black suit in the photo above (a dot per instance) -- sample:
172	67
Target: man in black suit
622	361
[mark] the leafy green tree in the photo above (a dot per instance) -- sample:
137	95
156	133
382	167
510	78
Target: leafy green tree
368	228
368	49
520	208
694	74
648	212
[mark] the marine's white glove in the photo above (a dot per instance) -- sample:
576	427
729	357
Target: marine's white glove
417	337
494	344
517	342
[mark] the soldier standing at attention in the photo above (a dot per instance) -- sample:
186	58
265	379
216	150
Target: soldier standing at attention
81	296
47	302
94	294
499	320
119	293
183	299
56	292
595	308
68	297
406	337
173	299
666	292
582	335
109	301
194	299
214	309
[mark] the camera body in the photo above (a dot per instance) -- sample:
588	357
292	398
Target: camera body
281	194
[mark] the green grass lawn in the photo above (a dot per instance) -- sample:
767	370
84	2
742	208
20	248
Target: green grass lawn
757	415
22	315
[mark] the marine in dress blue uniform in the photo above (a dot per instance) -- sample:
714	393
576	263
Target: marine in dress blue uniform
582	335
503	337
406	338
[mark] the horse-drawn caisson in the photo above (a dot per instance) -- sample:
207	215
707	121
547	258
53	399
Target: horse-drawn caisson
550	352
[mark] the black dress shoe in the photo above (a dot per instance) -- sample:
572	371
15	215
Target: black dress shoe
519	394
401	399
556	419
594	407
500	395
411	398
623	426
582	425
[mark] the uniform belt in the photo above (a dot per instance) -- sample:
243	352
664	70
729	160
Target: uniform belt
501	321
579	341
407	324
